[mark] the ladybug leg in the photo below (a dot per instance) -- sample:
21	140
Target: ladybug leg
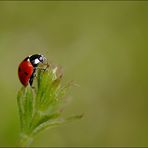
34	89
45	68
34	73
32	77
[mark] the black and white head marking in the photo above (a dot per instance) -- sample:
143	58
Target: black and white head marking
36	59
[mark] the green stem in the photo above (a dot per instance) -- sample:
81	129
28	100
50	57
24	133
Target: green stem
25	140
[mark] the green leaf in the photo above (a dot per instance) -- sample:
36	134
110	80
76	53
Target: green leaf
20	106
25	105
54	123
45	125
40	118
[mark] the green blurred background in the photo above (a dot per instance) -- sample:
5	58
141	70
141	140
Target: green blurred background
103	46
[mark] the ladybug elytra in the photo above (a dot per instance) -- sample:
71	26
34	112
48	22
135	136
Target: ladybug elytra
27	68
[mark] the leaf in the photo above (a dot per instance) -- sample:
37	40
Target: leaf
54	123
40	118
28	106
71	118
25	105
20	106
44	85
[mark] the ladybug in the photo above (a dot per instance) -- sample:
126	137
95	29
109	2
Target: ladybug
28	67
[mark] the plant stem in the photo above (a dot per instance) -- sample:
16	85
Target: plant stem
25	140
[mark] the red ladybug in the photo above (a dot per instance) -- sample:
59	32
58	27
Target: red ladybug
27	68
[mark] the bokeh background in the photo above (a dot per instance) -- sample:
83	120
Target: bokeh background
102	46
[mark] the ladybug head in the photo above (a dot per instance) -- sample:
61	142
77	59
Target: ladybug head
36	59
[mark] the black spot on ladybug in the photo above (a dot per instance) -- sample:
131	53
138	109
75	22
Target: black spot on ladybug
26	73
